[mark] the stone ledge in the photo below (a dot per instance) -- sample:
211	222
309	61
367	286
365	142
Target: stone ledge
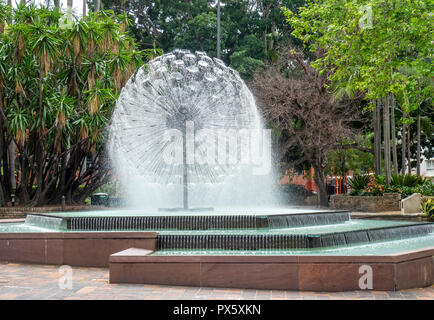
84	249
21	212
387	202
411	269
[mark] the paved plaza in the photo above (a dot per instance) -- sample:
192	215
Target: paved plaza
24	281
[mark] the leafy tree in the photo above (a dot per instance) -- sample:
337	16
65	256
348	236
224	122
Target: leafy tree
201	34
356	157
369	47
251	30
58	85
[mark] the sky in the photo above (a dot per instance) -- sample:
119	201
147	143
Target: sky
77	5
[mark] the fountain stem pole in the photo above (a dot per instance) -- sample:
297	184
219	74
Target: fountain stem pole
185	167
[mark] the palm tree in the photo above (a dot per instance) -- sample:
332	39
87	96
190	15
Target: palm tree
57	92
45	46
78	36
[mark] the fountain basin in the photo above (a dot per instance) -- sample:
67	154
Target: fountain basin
267	249
83	249
399	271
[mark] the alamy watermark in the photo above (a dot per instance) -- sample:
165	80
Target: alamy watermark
65	280
366	21
366	280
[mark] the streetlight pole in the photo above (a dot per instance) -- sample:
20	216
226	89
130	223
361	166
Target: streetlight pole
218	29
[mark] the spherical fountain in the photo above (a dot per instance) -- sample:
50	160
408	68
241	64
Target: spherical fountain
188	121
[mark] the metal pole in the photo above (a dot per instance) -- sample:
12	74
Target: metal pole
218	29
185	167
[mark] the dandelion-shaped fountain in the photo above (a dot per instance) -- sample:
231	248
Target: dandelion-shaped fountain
171	114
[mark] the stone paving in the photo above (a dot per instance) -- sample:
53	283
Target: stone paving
22	281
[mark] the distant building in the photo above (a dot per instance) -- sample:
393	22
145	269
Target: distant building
426	168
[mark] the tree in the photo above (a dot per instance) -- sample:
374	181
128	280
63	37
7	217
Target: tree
369	48
58	85
253	31
201	34
314	122
341	160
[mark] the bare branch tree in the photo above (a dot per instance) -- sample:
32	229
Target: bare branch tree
300	105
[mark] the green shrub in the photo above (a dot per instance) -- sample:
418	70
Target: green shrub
407	180
358	183
380	180
427	207
406	185
109	188
427	189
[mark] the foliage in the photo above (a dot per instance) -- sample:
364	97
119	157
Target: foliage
251	31
201	34
376	190
342	160
311	120
374	47
404	185
427	207
110	188
379	179
407	180
245	64
359	182
59	79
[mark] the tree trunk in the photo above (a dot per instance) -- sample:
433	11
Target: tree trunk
4	160
12	164
2	155
392	119
97	5
264	39
273	30
319	178
84	8
24	195
2	198
57	4
39	153
418	145
403	145
386	128
377	137
408	150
